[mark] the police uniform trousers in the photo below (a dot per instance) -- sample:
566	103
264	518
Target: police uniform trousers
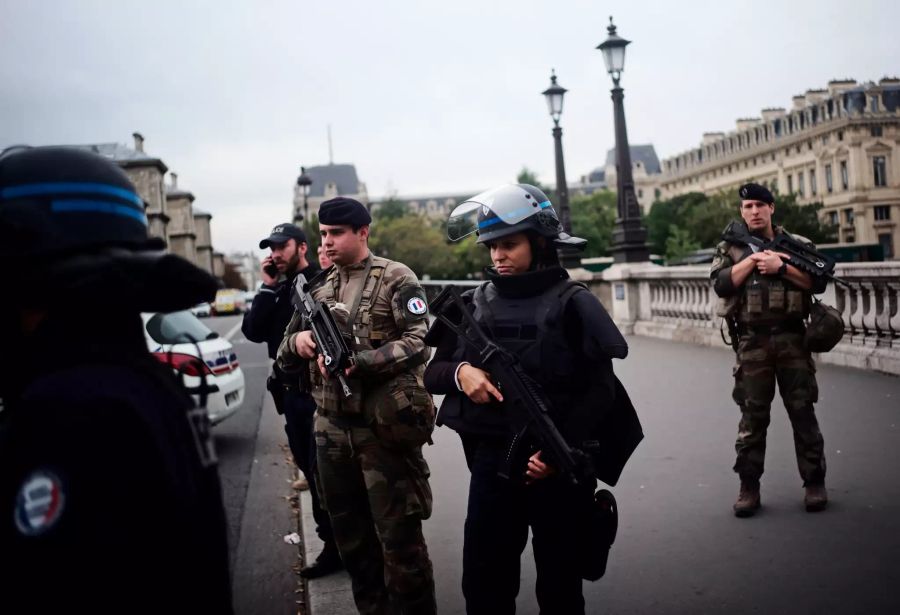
377	497
763	361
299	413
500	511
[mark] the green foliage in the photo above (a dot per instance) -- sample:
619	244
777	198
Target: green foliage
679	243
592	219
803	219
422	245
391	209
527	176
698	220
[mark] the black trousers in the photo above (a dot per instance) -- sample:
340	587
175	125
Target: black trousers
500	512
299	410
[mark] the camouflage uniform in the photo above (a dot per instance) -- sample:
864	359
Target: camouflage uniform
769	313
374	479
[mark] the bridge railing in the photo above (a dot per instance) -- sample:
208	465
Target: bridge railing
678	303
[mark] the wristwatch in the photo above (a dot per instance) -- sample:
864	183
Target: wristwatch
783	269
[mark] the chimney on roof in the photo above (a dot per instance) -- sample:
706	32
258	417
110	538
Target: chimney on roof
138	142
174	177
772	113
799	101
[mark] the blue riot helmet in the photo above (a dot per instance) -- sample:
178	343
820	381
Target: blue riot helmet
72	226
506	210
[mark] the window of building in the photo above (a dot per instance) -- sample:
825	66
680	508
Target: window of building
833	218
887	244
824	139
798	148
813	189
775	185
640	194
848	216
874	104
882	212
880	171
790	184
850	238
840	135
773	156
800	185
845	177
876	131
809	144
829	185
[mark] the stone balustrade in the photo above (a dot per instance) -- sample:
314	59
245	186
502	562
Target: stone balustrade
678	303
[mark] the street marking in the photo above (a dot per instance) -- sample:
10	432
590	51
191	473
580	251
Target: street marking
234	330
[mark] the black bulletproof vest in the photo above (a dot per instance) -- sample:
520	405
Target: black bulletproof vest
532	329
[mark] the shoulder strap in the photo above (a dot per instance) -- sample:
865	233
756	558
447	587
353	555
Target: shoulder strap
565	290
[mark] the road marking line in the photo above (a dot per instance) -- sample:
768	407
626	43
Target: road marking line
234	330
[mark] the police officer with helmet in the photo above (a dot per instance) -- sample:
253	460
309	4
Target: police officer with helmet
566	342
109	492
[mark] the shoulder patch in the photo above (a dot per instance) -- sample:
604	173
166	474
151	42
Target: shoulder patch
39	503
414	301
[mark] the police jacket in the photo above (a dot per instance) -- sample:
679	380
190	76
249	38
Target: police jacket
109	494
271	311
566	341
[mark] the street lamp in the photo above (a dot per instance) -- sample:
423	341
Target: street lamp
304	181
554	95
629	243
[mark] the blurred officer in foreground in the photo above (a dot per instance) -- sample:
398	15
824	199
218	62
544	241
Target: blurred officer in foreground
373	477
768	301
109	494
265	321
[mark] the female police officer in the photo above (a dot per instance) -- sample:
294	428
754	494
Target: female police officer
566	342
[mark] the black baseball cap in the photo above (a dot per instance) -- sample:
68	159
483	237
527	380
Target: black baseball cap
281	233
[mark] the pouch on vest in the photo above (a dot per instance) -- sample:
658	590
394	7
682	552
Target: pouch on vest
401	411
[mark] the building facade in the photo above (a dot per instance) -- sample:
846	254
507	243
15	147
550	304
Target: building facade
203	244
182	234
839	146
328	182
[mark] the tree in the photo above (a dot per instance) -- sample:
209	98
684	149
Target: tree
527	176
390	209
803	219
679	243
593	217
664	214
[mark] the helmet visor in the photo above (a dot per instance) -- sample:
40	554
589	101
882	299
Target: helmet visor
508	204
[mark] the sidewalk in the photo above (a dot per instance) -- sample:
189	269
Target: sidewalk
330	594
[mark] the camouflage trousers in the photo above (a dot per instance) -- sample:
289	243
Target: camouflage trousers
377	497
763	361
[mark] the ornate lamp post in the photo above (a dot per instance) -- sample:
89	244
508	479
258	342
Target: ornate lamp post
554	95
629	235
304	181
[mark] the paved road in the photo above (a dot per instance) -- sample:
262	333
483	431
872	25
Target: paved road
255	475
679	548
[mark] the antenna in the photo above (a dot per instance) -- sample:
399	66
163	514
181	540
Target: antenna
330	152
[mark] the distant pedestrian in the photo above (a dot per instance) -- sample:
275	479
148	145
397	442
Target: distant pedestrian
324	261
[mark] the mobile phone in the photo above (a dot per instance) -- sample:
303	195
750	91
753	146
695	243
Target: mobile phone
271	270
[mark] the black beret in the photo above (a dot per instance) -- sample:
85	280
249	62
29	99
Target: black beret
342	210
755	192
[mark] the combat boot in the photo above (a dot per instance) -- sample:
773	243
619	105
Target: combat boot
328	562
748	500
816	498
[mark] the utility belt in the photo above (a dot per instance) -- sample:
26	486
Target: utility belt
792	326
343	420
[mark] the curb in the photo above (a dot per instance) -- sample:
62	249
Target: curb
327	595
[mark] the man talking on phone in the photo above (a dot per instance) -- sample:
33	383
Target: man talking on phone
265	321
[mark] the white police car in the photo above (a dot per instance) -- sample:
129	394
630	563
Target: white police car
169	340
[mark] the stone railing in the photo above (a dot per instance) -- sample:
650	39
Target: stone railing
678	303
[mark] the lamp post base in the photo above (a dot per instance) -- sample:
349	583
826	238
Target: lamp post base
629	244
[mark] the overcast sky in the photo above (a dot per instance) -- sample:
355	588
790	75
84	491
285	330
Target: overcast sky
423	97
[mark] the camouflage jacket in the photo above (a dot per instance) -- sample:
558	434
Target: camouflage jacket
726	256
387	335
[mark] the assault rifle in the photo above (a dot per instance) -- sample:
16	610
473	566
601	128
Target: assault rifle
528	405
329	341
800	255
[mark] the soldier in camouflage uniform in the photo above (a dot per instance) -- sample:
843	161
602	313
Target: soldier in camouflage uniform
373	477
766	301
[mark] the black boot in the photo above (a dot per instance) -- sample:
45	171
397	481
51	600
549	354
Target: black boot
329	561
